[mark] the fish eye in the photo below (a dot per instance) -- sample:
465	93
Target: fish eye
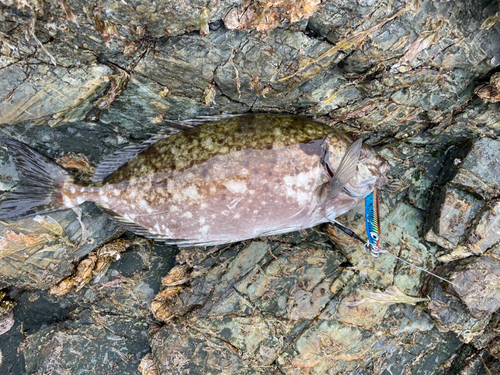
362	154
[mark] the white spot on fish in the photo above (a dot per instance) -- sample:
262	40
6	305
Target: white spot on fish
236	187
143	204
204	230
191	192
187	215
105	199
298	187
67	202
237	216
72	189
80	200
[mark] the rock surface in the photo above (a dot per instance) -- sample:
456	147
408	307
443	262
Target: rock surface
418	78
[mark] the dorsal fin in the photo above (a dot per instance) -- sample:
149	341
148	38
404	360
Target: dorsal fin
114	161
200	120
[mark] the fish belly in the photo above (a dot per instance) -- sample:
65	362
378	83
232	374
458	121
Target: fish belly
228	198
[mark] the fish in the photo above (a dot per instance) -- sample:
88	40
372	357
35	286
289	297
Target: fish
225	180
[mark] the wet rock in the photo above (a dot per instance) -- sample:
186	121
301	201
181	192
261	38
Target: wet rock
94	265
148	366
145	104
43	263
265	16
6	314
451	314
468	305
53	94
491	342
129	284
456	211
469	167
481	237
160	18
112	311
290	307
479	171
467	181
477	285
78	164
77	344
490	92
401	225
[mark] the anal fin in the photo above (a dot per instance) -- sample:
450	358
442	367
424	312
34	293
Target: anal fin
141	231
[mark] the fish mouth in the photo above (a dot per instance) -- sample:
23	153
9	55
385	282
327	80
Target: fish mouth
377	180
382	180
383	169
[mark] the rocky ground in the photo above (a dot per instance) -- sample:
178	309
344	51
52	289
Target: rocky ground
421	79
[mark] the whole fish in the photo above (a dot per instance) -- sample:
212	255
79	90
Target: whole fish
224	181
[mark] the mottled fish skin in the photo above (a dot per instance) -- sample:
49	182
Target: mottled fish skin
234	179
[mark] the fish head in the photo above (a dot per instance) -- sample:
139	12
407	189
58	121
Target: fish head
371	173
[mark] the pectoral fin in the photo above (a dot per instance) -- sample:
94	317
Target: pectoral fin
343	174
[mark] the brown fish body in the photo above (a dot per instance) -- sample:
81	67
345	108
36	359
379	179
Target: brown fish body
230	180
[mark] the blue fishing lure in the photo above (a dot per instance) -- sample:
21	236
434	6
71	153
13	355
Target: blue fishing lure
372	220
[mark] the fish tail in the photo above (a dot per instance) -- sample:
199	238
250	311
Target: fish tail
40	183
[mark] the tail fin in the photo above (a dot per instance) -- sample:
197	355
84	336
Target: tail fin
40	181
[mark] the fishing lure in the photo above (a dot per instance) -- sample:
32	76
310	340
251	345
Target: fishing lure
372	220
